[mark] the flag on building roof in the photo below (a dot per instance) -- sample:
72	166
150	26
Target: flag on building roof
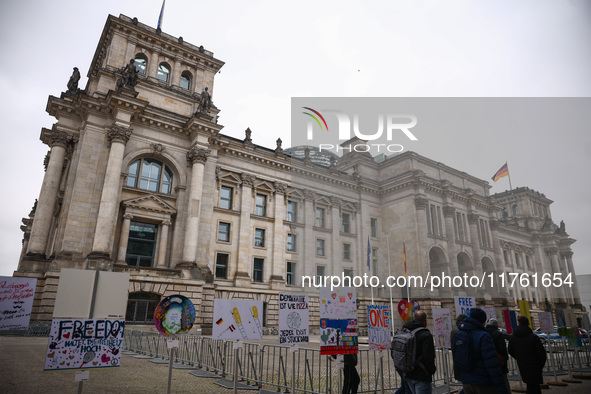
503	171
404	257
161	15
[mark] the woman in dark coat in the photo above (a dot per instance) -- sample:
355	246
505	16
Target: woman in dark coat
527	349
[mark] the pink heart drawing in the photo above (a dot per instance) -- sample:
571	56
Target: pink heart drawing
105	359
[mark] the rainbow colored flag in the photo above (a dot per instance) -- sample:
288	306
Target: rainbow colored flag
503	171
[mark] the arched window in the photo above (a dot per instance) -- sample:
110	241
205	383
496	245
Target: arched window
515	210
185	81
151	175
141	62
163	72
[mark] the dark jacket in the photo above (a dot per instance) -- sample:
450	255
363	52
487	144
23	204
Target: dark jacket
425	353
527	349
500	345
486	370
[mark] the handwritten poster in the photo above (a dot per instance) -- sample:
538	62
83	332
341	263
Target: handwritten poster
464	304
84	343
546	324
378	324
294	325
338	320
16	302
442	324
237	319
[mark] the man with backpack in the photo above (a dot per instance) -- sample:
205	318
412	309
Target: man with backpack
413	352
476	357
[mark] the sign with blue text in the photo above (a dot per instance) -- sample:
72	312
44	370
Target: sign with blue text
464	304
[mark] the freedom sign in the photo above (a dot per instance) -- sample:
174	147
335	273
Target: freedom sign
378	324
294	325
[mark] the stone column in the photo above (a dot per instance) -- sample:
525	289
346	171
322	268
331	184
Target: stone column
421	206
308	247
176	73
48	195
124	239
473	223
244	237
153	65
197	158
571	270
118	137
499	262
161	262
559	293
279	235
335	253
448	214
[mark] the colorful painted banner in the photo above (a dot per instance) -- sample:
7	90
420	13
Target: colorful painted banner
294	324
407	309
84	343
174	315
16	302
546	323
442	324
237	319
378	324
338	320
464	304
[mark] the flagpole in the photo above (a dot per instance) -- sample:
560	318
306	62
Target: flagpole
405	271
369	266
509	175
390	274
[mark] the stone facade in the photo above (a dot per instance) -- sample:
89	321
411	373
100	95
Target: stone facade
140	179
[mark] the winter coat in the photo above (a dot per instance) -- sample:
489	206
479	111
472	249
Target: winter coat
425	353
500	345
527	349
486	369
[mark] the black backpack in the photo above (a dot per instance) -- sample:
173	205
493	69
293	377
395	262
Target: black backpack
404	349
462	350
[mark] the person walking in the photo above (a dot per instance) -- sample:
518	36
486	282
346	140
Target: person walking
419	380
526	347
476	358
501	347
350	376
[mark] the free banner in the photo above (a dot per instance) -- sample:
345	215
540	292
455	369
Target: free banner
294	325
378	324
442	324
237	319
16	302
338	320
464	304
84	343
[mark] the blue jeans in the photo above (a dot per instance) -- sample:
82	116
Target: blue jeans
419	386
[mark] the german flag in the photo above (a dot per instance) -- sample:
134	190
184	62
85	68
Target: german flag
503	171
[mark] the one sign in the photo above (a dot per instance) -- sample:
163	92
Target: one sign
293	319
464	304
546	323
174	315
490	311
442	324
84	343
378	324
237	319
338	320
16	302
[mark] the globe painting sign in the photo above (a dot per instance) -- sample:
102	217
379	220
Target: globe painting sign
174	315
293	319
378	324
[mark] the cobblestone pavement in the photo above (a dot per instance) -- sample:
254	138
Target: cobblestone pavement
21	371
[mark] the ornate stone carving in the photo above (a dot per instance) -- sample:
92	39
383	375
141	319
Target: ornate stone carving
336	202
166	222
196	154
449	211
73	84
119	134
128	75
59	138
247	179
551	251
493	224
473	218
568	254
46	160
309	195
421	203
128	216
247	134
157	148
205	102
280	188
279	149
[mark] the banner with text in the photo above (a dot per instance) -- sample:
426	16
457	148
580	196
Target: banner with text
16	302
378	324
442	324
294	325
464	304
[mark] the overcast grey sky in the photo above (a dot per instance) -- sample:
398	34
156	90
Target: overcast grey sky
275	50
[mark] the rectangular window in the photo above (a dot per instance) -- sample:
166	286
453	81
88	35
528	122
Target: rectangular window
517	261
141	244
290	274
221	265
374	227
483	233
374	261
320	247
292	211
434	220
348	272
259	237
319	274
291	242
261	205
226	193
461	228
506	257
527	262
257	269
346	223
346	251
320	217
224	232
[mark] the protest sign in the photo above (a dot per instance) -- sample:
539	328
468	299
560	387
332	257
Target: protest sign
546	324
84	343
464	304
16	302
174	315
442	324
490	311
338	320
237	319
378	324
293	319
